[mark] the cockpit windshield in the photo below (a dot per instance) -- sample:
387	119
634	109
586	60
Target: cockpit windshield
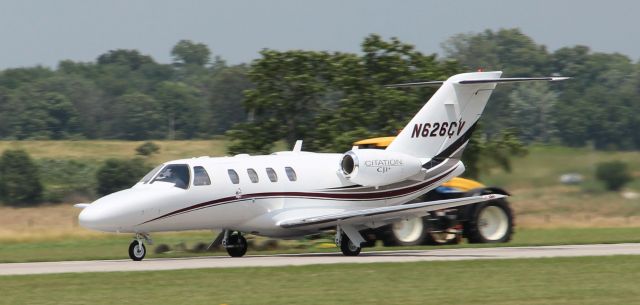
178	174
150	175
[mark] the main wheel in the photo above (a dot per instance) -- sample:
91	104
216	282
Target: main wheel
491	222
348	248
408	232
137	250
237	245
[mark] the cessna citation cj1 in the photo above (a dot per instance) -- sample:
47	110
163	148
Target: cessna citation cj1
295	193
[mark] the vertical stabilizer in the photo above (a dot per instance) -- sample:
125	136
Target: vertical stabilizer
442	128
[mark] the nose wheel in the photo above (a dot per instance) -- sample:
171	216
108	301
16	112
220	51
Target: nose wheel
235	244
137	250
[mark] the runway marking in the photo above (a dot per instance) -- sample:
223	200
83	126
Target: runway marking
320	258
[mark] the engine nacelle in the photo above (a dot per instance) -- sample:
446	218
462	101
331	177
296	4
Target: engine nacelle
375	167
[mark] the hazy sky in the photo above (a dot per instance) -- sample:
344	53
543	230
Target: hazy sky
45	32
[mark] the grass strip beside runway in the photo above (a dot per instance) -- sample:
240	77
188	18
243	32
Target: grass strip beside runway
112	246
549	281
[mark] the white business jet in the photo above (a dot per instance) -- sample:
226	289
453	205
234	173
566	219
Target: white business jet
295	193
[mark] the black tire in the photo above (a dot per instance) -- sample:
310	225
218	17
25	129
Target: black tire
348	248
406	233
237	245
490	222
136	252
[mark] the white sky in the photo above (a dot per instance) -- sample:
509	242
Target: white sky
45	32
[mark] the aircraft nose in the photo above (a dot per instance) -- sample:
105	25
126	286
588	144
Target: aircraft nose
92	217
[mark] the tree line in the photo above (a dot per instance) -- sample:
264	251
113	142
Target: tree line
327	98
124	95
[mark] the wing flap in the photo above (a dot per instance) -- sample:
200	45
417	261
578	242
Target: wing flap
378	214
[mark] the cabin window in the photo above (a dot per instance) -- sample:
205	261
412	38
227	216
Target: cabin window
253	176
235	179
272	174
291	174
178	174
152	173
200	176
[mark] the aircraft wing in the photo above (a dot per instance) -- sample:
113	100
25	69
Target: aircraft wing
382	215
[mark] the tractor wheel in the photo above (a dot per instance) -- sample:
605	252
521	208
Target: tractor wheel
490	222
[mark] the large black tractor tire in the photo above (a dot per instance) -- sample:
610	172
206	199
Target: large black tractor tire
490	222
237	245
409	232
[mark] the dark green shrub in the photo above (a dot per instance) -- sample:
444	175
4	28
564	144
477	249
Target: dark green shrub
115	175
147	149
614	174
66	180
20	183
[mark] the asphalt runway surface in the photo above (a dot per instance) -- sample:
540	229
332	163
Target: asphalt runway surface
320	258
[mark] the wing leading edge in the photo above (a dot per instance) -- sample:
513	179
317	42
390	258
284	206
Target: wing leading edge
383	214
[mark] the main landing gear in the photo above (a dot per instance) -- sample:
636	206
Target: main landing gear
137	250
235	244
347	247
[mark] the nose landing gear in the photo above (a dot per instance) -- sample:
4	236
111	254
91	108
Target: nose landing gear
137	250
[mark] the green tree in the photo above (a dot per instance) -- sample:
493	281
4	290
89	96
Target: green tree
614	174
87	101
532	108
115	175
14	78
288	87
122	71
187	52
19	179
598	104
131	59
34	114
330	99
184	109
138	117
508	50
226	94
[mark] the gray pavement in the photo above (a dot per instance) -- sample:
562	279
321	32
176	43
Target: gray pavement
321	258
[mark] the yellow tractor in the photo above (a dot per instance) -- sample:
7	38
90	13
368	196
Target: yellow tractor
485	222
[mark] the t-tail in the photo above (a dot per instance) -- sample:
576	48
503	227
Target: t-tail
442	128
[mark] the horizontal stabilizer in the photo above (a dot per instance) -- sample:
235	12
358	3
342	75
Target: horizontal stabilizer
480	81
384	213
416	84
513	80
81	205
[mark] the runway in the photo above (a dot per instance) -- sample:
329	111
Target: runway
320	258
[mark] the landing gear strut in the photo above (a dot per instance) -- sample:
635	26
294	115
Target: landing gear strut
137	250
347	247
235	244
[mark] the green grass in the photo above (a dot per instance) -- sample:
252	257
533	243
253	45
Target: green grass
544	164
115	246
104	149
549	281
